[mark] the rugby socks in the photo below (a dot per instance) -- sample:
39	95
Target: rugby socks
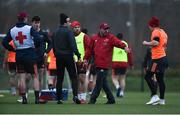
24	99
36	95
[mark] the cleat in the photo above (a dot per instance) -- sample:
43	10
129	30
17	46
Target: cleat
118	92
59	102
110	102
51	87
154	99
76	100
121	94
91	102
160	102
24	101
104	96
20	100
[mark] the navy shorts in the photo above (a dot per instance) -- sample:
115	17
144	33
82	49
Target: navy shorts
26	66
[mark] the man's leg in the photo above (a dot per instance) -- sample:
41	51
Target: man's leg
36	84
115	79
150	82
13	75
82	88
22	87
12	82
71	68
106	88
60	78
122	83
98	86
41	72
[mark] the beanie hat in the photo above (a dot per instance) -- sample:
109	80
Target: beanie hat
104	26
75	23
154	22
22	15
63	18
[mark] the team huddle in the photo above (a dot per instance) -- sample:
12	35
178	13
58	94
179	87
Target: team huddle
87	60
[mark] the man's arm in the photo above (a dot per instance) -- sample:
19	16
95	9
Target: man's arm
36	37
118	43
49	42
86	43
73	44
154	42
6	41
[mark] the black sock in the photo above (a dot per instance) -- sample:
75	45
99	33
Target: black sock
36	95
24	96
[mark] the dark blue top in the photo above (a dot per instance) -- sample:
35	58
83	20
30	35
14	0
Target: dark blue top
41	49
64	42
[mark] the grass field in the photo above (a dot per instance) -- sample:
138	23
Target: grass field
132	103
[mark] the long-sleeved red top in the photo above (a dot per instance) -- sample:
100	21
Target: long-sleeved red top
102	48
86	43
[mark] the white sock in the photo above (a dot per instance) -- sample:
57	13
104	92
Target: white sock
122	93
117	86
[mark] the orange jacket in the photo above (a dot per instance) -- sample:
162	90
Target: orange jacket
52	63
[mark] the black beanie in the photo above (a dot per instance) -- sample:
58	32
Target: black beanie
63	18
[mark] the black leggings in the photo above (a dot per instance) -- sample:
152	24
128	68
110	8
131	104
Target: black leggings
153	84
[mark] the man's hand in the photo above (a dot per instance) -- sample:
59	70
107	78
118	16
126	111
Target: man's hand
45	54
85	64
144	42
127	50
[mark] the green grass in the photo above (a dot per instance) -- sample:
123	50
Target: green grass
133	102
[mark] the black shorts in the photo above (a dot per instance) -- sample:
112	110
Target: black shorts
53	72
12	67
158	65
26	66
120	71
